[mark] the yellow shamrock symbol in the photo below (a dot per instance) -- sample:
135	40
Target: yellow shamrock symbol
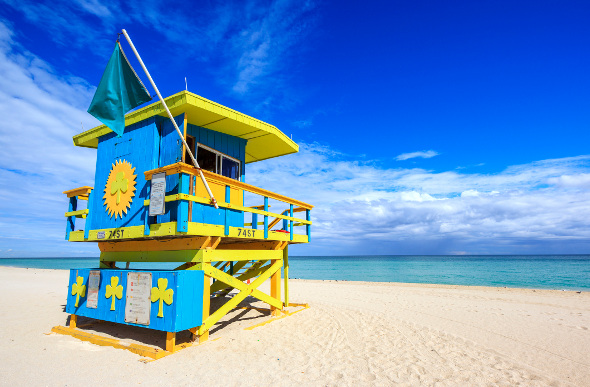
114	290
78	289
119	185
119	189
162	294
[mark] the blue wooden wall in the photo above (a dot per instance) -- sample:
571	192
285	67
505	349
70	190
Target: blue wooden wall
186	310
139	145
151	144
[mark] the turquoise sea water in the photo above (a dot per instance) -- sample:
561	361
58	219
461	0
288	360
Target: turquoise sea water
571	272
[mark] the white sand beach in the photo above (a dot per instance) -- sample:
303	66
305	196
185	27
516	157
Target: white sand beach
354	333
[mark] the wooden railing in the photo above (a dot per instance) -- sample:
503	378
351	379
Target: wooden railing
82	193
191	190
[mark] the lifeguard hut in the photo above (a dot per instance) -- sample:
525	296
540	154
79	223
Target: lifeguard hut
148	205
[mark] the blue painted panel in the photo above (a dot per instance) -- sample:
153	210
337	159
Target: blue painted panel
136	147
186	310
71	220
182	205
170	153
224	143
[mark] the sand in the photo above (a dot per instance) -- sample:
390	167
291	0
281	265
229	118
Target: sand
354	333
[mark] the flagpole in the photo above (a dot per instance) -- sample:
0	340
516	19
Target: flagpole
172	119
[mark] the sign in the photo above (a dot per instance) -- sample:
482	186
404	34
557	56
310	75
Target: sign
93	283
157	194
100	235
138	303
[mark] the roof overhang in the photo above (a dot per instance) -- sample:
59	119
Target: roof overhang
264	141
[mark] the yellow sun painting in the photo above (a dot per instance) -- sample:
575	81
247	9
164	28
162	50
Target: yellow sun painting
120	188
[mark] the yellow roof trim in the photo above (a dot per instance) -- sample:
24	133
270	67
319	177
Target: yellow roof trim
264	141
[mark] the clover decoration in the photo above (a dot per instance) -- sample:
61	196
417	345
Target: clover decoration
119	185
78	289
120	188
162	294
114	290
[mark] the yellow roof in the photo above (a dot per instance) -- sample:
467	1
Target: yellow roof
264	141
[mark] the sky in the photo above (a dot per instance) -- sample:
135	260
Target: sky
424	127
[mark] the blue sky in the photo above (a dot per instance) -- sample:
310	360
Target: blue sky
425	127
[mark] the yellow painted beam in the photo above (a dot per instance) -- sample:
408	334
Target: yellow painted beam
192	243
219	313
170	341
286	273
270	245
78	213
240	255
153	256
218	286
142	350
213	177
237	284
260	207
250	224
204	333
194	229
252	272
85	191
198	199
283	315
241	232
275	291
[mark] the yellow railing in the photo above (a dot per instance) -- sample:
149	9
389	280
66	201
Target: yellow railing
82	193
191	190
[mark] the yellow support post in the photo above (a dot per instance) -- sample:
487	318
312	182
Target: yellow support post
170	341
286	273
73	321
204	336
275	289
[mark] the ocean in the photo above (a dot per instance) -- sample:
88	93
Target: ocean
564	272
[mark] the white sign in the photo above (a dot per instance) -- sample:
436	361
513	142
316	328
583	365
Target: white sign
100	235
138	303
157	194
93	283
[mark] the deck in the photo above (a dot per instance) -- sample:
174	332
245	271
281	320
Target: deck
187	200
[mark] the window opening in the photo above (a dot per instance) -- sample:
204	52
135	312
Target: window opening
190	141
217	162
207	160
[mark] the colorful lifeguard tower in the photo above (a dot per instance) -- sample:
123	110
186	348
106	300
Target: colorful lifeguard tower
148	205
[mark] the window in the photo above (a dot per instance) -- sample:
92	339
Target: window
211	160
207	159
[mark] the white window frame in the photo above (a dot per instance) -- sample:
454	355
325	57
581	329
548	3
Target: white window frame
219	159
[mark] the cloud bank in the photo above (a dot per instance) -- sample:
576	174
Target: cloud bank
536	208
361	208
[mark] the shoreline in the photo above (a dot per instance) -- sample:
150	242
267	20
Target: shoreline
380	283
353	333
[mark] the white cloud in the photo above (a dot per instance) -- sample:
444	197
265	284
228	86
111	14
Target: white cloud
250	42
267	40
421	154
41	112
363	209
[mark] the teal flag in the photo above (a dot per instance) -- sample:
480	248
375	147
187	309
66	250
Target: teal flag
119	91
